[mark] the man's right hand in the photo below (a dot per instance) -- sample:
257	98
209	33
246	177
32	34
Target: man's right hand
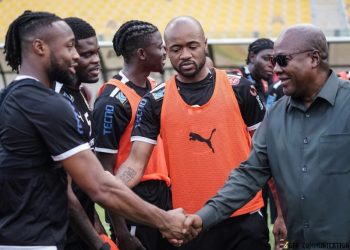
192	226
280	233
194	223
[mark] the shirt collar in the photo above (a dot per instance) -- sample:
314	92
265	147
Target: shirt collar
124	78
330	89
328	92
21	77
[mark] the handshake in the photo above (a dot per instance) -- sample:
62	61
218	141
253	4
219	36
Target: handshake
179	228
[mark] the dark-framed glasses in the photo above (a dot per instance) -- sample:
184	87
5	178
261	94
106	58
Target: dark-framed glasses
282	60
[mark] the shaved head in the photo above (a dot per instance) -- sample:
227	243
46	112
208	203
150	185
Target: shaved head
186	46
183	22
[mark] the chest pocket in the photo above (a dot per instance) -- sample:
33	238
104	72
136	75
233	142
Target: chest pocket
334	155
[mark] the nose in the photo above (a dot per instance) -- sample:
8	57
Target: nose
164	51
96	58
185	54
75	54
277	68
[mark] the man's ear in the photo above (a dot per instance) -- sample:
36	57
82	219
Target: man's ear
39	47
316	58
252	56
141	53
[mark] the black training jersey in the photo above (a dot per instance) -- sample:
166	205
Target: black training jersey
82	108
37	128
112	114
259	85
147	123
77	99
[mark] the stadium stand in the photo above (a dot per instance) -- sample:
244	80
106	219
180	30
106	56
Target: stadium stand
229	24
331	16
220	18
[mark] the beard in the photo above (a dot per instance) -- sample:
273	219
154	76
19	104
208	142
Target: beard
198	67
59	74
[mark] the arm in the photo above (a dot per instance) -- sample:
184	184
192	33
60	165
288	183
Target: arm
98	224
80	221
242	184
125	239
279	227
113	195
131	171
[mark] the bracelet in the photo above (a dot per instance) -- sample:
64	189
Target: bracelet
105	246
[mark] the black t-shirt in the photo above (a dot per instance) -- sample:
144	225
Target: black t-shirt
77	99
244	71
112	115
147	124
81	106
37	128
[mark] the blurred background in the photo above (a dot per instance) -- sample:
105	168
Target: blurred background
230	25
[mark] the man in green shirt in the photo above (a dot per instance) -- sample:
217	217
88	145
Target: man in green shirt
303	144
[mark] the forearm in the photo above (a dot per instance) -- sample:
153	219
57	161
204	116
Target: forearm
119	224
128	175
81	223
241	186
98	224
103	188
131	171
119	199
275	196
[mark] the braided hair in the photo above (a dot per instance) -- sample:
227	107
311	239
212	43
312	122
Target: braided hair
259	45
132	35
20	30
80	27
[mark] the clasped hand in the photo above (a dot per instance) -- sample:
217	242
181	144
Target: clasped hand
180	227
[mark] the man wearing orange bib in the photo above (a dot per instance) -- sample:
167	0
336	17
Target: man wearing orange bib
204	118
141	45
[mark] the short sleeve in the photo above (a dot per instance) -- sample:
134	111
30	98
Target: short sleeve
147	121
60	127
111	118
250	103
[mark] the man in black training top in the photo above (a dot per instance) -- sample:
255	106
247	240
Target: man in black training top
39	129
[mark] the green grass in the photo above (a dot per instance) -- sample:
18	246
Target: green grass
101	213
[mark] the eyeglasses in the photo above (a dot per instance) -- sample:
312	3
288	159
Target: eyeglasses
283	60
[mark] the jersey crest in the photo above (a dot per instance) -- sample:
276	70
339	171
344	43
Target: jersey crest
234	79
158	92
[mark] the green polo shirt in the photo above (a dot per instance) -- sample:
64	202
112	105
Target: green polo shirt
307	151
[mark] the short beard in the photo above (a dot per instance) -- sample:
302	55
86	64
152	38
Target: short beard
58	74
199	67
